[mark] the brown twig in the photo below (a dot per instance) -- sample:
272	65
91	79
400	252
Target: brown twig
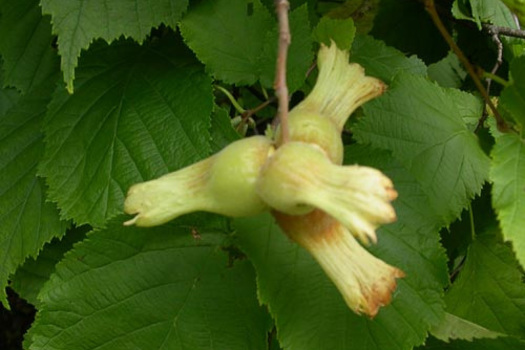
499	59
247	115
499	62
431	9
497	30
254	110
281	89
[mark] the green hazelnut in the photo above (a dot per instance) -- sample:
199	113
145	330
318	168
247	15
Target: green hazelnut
222	184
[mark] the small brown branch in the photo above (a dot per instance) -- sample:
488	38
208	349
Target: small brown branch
431	9
505	31
499	59
248	114
281	89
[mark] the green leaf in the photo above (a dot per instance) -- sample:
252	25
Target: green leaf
483	11
158	288
513	96
300	55
418	122
461	9
26	44
508	191
448	72
453	327
517	7
31	276
27	220
138	112
383	62
342	31
79	23
478	344
489	290
309	311
228	37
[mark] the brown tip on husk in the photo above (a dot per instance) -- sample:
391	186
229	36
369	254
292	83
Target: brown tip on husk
365	282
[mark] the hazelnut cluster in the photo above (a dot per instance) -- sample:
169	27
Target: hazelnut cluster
319	203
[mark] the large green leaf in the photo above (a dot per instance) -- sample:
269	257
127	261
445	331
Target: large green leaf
25	44
508	191
382	61
158	288
308	310
418	121
489	290
138	112
78	23
31	276
27	221
228	36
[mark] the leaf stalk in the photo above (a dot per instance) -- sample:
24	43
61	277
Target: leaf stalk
232	99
